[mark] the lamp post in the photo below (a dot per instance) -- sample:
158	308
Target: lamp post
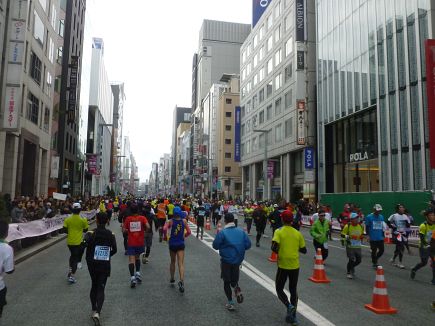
265	188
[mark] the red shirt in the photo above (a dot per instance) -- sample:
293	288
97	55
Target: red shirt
135	225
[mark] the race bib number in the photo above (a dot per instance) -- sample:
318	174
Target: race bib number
378	225
102	253
201	213
135	226
355	243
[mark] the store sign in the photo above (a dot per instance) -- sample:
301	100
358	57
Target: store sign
309	176
430	89
300	21
12	106
258	8
92	164
72	91
237	124
301	122
309	157
300	60
356	157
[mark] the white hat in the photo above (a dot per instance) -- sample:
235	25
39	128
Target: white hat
76	205
377	207
275	205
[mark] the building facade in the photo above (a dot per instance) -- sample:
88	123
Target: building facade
372	102
181	115
278	103
117	136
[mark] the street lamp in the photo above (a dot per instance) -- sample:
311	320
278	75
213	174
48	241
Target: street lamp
265	188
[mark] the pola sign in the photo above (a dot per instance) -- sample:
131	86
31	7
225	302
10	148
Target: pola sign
356	157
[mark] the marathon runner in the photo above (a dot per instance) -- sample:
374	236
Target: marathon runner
399	222
375	232
352	235
200	215
161	218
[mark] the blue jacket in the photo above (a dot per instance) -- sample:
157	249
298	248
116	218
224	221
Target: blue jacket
375	227
232	243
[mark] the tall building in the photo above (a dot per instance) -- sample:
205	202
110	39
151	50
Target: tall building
372	103
218	53
100	121
26	89
179	163
180	115
118	120
278	105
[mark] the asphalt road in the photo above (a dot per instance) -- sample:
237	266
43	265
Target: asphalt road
38	292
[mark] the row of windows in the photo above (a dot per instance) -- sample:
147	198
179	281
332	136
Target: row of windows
37	74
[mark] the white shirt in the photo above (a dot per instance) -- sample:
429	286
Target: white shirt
316	217
233	210
400	221
6	262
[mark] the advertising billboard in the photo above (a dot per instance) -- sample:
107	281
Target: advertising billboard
258	8
237	123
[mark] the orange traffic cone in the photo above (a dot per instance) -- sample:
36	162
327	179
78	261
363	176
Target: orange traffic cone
273	257
380	303
219	228
319	274
387	238
207	225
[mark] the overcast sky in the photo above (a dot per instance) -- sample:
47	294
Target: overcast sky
149	45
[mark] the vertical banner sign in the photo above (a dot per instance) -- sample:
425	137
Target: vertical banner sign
72	90
237	134
258	8
309	158
301	122
92	164
300	21
430	88
14	65
300	60
270	169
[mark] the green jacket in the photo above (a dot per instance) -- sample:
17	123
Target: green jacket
319	231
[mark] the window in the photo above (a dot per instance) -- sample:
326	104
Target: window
288	72
228	141
261	95
269	66
288	98
261	74
255	60
288	21
242	130
261	117
278	33
49	84
61	27
278	106
51	50
278	57
227	155
248	50
35	68
269	89
278	81
59	54
32	108
46	125
228	127
261	53
228	101
255	40
278	133
53	16
43	4
289	128
269	22
261	32
227	169
38	28
288	47
269	44
248	69
269	112
255	80
277	10
228	114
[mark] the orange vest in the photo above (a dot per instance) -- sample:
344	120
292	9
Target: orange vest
161	210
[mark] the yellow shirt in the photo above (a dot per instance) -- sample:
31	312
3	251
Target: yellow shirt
427	230
75	225
290	241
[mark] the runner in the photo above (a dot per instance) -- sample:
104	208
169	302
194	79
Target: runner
427	229
275	218
6	262
288	242
135	226
101	245
178	230
399	222
170	209
260	220
375	233
149	214
161	218
352	235
248	217
200	215
319	231
232	244
74	226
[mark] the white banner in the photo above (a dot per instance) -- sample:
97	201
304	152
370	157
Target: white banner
41	227
54	169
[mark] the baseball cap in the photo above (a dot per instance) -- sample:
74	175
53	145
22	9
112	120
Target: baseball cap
287	216
76	205
353	215
177	211
275	205
377	207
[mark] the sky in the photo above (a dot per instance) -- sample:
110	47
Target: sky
149	45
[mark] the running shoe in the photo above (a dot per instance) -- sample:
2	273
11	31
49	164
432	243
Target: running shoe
238	293
172	282
138	277
349	276
291	313
392	261
400	265
412	274
181	287
230	306
257	244
71	279
79	265
96	318
133	282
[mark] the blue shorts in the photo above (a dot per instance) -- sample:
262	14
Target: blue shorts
134	251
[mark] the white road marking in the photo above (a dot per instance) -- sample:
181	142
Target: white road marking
269	284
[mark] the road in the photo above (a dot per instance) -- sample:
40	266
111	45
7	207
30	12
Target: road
38	293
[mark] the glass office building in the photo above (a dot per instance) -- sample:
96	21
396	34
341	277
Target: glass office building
373	133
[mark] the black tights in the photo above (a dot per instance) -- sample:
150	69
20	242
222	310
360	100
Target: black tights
97	290
228	291
281	278
75	257
377	248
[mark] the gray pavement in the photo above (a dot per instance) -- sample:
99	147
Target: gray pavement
38	293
